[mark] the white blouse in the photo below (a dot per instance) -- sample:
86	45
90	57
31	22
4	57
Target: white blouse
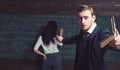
51	48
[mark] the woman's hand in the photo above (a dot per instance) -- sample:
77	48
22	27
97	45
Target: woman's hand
44	56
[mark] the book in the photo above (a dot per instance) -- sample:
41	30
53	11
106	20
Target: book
107	40
111	37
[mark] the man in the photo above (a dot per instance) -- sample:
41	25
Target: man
89	54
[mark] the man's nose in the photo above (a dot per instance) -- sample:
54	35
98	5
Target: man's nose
83	20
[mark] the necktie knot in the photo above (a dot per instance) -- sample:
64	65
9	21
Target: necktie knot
86	34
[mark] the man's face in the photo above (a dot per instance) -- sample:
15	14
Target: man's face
86	19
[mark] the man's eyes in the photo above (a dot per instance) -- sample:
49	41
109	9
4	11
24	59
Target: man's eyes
83	18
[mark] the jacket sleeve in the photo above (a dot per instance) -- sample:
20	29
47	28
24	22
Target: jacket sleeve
106	33
71	40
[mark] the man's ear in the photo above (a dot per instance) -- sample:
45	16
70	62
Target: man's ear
94	17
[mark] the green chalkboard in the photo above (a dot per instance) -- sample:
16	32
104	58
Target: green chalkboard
19	32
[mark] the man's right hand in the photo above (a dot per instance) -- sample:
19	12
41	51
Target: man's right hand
59	38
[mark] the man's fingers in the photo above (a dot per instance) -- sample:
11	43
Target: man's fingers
116	34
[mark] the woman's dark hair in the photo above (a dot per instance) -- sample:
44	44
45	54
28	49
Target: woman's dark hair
49	32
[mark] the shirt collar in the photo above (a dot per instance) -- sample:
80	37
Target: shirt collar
92	28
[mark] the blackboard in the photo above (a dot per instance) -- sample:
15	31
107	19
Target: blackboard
19	32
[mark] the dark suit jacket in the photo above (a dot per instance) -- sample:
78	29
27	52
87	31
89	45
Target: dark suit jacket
94	53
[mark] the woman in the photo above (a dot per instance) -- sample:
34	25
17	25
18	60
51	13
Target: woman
51	55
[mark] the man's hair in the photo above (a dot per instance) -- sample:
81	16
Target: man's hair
85	7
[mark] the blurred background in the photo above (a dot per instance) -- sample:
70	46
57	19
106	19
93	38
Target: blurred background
21	23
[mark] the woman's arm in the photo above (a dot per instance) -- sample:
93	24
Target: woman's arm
40	53
36	47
